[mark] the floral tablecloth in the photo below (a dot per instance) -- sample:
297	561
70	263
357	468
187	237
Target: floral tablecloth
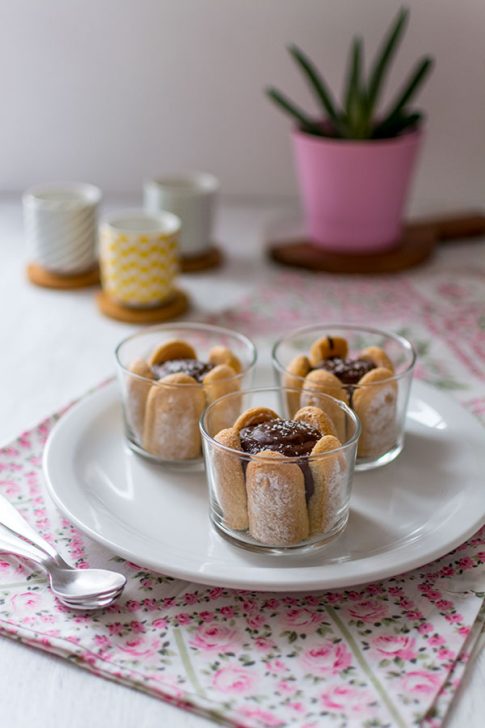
391	653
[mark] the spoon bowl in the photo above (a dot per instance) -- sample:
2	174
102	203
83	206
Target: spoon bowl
75	584
75	588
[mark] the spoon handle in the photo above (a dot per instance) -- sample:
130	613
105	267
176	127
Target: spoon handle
14	545
11	519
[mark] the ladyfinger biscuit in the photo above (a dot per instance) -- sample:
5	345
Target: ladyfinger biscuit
375	403
136	396
378	356
172	418
293	379
277	507
217	382
255	416
316	417
321	381
229	481
173	349
328	474
327	347
223	355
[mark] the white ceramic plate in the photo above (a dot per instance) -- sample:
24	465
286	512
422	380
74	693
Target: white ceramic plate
403	515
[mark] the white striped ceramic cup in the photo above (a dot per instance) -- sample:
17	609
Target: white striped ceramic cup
61	226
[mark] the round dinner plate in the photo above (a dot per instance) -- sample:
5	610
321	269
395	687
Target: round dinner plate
402	515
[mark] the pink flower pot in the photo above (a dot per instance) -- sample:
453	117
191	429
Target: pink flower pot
354	192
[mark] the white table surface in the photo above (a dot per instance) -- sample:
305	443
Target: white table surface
54	346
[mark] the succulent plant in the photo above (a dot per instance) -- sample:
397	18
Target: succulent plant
358	116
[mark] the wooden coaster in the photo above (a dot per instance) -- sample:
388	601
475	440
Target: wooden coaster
39	276
213	258
169	310
417	245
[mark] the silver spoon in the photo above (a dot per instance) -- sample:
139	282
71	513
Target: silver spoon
66	581
14	545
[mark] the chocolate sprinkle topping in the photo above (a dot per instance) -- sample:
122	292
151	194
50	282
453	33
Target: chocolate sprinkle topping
349	371
193	367
288	437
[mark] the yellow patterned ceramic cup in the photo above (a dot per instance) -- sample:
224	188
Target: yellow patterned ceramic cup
138	257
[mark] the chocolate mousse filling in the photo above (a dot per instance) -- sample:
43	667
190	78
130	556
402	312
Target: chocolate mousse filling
288	437
193	367
349	371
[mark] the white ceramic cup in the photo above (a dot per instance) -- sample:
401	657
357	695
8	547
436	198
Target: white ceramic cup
192	198
61	226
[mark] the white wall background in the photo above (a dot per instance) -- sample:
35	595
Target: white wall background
111	91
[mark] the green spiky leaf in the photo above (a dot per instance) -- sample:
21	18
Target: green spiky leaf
305	122
398	125
357	120
316	83
353	87
410	88
384	58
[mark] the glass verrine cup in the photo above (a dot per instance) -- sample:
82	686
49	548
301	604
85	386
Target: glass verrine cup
377	388
271	500
167	375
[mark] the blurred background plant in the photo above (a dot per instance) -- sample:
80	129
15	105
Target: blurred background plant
357	117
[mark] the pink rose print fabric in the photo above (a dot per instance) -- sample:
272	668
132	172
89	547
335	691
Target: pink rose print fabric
391	653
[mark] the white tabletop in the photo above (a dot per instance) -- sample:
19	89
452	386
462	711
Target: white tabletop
54	347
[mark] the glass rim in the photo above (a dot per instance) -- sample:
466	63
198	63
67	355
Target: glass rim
407	345
288	459
188	326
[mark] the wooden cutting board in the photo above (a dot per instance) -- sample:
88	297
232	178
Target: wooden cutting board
418	243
